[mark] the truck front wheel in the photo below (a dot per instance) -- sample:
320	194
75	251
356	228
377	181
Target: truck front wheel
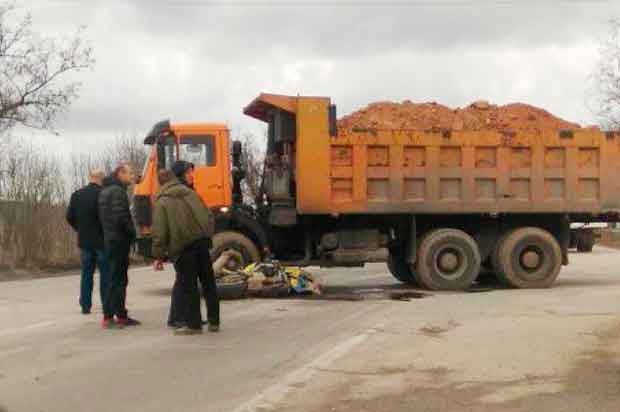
245	250
448	259
528	258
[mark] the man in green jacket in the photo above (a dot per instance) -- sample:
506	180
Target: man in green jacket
182	226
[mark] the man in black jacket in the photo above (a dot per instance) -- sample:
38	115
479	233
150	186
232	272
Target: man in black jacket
83	216
118	234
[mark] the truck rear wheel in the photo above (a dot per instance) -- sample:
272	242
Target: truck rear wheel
448	259
401	270
528	258
246	250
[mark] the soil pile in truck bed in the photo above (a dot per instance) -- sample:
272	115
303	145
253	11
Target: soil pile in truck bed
428	116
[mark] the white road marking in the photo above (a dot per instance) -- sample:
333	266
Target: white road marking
271	396
16	331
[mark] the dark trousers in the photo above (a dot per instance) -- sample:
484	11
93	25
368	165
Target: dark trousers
176	315
192	266
116	292
91	259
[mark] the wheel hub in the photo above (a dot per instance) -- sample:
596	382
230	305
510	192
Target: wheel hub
530	259
448	261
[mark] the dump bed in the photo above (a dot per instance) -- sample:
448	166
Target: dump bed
373	171
469	172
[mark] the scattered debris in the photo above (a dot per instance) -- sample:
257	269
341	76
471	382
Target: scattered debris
263	280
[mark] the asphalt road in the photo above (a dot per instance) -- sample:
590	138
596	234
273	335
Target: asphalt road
356	350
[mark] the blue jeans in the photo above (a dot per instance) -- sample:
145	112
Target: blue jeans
92	258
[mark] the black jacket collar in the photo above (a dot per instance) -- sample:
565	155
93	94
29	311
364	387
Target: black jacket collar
113	181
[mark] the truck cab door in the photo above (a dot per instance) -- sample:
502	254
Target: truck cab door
212	171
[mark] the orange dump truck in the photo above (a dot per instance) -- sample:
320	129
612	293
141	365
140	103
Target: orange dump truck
437	204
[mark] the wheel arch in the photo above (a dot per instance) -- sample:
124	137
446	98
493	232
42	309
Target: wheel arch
239	221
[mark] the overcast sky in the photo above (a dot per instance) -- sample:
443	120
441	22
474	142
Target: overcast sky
192	60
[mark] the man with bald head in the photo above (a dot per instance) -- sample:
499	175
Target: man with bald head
118	234
83	216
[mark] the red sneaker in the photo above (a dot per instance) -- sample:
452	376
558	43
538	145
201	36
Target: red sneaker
108	323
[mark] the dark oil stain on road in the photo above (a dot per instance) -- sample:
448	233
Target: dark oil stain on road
357	294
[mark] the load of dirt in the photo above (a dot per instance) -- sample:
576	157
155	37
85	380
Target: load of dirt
480	115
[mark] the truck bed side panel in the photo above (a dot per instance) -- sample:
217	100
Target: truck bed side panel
388	171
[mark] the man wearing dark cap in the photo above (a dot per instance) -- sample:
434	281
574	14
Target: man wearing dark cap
182	226
184	172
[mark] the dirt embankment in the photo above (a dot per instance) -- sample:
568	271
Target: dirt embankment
478	116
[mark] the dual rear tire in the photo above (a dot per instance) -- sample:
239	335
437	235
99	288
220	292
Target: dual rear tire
527	258
449	259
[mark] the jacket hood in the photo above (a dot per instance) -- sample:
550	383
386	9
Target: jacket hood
174	188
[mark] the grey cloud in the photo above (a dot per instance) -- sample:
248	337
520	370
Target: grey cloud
236	32
204	60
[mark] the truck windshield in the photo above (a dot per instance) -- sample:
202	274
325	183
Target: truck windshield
199	150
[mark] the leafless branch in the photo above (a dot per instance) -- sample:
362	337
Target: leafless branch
252	159
607	79
34	70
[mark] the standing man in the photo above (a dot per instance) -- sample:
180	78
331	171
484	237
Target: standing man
182	226
184	172
83	216
118	234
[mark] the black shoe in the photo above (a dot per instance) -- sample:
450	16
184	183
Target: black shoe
176	324
85	311
128	321
214	328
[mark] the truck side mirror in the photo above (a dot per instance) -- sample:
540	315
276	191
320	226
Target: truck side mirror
238	173
237	148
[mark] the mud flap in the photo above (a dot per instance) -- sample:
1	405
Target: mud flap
564	238
411	248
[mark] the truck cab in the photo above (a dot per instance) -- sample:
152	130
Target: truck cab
217	176
206	145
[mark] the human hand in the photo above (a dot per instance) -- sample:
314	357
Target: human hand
158	265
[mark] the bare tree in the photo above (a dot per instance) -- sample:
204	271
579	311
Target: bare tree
34	189
607	79
32	205
126	149
34	88
80	166
252	158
